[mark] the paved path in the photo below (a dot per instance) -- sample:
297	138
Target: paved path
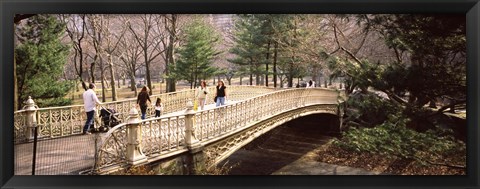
307	166
288	150
59	156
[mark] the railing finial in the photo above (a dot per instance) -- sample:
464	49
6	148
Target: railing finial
29	104
189	106
133	116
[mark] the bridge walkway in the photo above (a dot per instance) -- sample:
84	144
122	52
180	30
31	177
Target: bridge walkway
76	151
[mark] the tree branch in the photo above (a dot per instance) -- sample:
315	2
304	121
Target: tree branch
342	48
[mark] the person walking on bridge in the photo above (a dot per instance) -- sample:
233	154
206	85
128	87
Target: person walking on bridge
142	101
158	107
201	94
90	100
221	93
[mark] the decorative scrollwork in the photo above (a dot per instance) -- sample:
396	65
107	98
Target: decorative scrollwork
113	149
20	126
69	120
217	151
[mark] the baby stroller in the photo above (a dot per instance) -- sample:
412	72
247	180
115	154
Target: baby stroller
108	119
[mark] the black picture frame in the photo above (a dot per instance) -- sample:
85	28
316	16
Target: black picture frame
471	8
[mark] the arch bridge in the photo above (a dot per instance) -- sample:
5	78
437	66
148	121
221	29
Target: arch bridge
200	139
194	139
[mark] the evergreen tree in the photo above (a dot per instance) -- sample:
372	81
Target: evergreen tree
40	58
196	55
266	38
249	45
437	48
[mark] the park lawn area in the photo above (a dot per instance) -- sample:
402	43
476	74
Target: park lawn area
123	92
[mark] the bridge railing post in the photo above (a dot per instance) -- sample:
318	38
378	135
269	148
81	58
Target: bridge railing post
195	161
190	138
31	118
135	155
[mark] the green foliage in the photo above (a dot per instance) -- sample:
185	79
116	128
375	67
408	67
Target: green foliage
40	58
255	37
249	44
372	109
437	48
363	74
197	53
431	58
392	138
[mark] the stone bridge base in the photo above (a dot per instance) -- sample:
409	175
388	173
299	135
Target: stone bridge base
193	161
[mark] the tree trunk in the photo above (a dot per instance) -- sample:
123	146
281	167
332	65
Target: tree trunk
290	80
266	64
257	79
112	79
132	82
251	71
102	79
133	86
170	86
92	69
84	85
118	81
195	79
251	79
315	74
281	81
241	80
290	71
147	67
275	65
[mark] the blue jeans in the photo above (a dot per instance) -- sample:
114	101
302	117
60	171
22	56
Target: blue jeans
143	109
220	101
89	121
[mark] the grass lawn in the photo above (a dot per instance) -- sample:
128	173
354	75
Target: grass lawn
123	92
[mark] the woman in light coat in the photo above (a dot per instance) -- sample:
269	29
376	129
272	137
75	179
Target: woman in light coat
201	94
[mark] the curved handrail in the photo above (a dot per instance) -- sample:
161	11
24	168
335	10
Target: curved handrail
69	120
166	134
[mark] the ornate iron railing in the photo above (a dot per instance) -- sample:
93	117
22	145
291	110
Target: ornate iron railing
167	135
20	126
69	120
213	123
163	135
113	149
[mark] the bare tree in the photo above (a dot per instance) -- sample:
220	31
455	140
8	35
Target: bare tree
96	24
170	23
129	54
112	39
146	40
76	26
